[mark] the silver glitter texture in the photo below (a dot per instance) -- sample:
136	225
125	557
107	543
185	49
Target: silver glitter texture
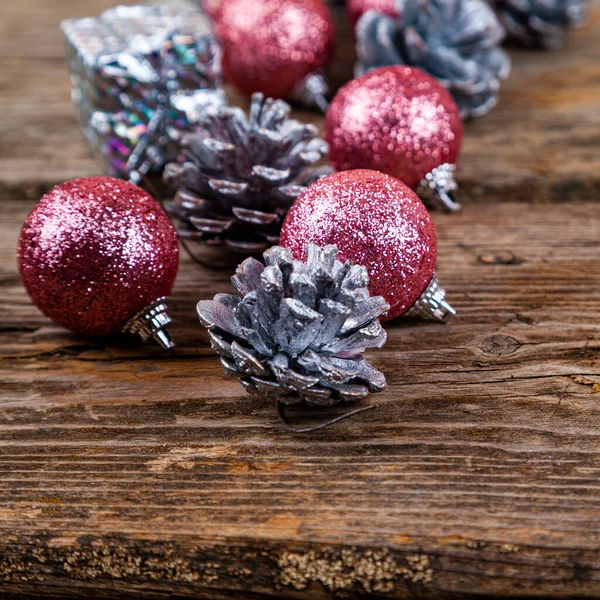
142	75
455	41
298	330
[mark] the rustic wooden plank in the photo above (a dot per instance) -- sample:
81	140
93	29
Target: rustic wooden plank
538	145
130	473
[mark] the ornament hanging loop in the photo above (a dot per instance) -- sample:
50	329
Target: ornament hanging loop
448	202
281	412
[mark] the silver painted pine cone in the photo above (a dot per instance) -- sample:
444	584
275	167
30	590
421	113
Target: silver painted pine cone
540	23
456	41
298	330
241	175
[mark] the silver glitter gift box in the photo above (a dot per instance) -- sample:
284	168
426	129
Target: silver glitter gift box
141	76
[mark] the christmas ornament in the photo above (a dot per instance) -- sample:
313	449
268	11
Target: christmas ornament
456	41
400	121
98	256
298	330
210	7
241	176
540	23
141	76
357	8
276	47
376	221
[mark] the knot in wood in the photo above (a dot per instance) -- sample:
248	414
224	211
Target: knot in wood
499	257
500	345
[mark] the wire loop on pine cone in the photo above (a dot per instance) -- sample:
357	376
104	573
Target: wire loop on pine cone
281	412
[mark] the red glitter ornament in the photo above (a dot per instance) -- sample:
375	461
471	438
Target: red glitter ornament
357	8
99	255
211	7
402	122
376	221
274	46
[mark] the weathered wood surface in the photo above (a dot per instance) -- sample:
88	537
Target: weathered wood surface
125	472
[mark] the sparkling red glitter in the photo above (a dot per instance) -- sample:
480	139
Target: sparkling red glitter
269	46
376	221
357	8
95	251
397	120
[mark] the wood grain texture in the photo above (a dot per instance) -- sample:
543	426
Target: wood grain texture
128	473
125	471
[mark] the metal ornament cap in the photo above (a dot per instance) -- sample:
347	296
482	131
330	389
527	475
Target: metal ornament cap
437	187
151	323
431	304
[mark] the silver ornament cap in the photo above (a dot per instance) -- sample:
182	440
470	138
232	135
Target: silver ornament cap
437	187
151	323
431	304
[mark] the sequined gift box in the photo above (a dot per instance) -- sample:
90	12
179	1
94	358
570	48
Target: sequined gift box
141	76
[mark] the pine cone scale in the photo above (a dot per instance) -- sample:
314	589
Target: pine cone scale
242	246
364	314
351	392
373	378
246	362
255	217
248	276
219	345
185	201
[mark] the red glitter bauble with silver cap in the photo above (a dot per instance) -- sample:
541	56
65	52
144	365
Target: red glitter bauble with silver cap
376	221
274	46
99	256
402	122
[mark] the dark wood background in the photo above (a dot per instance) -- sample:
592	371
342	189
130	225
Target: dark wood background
126	472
